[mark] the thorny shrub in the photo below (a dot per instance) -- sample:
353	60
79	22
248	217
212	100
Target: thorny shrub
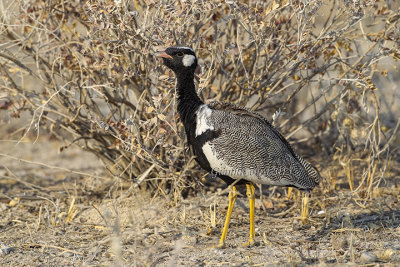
86	73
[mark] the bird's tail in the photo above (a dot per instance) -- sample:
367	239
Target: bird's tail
312	172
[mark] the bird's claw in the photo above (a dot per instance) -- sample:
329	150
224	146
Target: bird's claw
251	243
220	245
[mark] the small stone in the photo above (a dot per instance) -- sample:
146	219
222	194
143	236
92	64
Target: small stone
4	249
340	242
189	240
3	207
68	254
396	258
368	257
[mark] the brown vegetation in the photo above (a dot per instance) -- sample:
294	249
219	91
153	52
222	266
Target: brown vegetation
325	71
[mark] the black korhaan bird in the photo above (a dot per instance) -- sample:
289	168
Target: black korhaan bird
234	142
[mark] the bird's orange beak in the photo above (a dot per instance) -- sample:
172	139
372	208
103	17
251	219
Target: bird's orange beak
160	52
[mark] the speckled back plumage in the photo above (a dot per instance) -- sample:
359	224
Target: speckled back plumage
252	149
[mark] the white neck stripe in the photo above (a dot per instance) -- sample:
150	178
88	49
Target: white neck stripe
184	47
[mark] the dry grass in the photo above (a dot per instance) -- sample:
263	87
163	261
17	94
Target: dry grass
84	73
53	216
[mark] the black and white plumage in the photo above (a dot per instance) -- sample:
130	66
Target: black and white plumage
248	147
230	141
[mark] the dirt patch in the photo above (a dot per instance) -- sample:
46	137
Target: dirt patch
62	209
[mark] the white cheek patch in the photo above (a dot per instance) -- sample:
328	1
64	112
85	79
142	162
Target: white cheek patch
188	60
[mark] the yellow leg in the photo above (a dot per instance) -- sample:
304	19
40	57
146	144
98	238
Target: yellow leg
250	195
304	207
232	199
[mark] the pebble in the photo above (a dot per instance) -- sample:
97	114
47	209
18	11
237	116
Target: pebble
68	254
3	207
340	242
190	240
4	249
368	257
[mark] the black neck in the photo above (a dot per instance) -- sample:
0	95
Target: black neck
188	100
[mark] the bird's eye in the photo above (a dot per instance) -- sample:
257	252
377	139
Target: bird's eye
180	54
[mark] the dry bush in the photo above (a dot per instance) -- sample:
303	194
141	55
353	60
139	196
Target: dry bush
84	71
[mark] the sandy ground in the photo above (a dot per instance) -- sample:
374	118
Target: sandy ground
61	209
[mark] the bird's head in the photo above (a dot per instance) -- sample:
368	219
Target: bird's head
179	58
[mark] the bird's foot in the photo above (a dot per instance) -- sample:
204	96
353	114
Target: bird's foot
220	245
251	243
